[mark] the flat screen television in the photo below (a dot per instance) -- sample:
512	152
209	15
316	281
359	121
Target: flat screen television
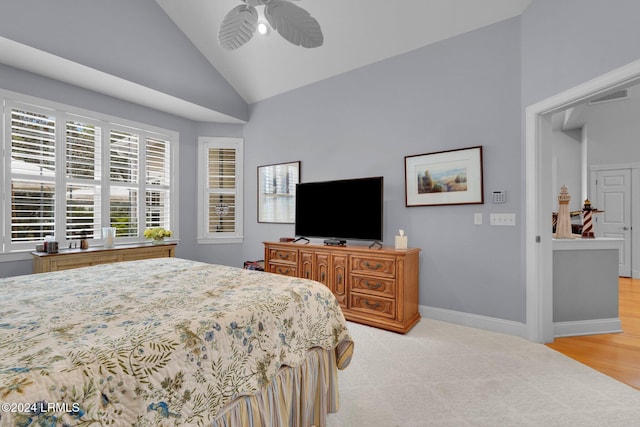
340	209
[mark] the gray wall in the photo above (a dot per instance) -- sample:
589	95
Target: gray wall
613	131
568	42
458	93
586	285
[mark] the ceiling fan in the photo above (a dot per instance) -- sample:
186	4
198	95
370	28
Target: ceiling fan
293	23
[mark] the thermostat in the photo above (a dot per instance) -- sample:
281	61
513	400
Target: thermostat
499	196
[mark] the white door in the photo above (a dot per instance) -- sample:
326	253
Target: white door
613	192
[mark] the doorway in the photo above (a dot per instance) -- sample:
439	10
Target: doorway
538	164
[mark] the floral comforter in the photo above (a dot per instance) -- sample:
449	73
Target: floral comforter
154	342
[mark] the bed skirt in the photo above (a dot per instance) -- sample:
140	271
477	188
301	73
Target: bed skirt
297	397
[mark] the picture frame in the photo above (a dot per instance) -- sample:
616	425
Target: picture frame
452	177
277	192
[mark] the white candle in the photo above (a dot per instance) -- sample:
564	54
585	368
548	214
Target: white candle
108	233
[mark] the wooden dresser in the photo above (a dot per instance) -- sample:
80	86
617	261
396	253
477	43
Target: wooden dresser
75	258
376	287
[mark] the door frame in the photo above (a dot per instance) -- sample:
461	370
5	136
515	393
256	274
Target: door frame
538	163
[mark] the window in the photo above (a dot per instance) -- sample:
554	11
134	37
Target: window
83	166
157	184
220	190
124	169
68	175
33	182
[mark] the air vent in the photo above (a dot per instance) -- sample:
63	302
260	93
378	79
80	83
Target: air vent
615	96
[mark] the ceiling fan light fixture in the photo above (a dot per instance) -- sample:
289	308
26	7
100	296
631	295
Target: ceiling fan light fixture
263	28
292	22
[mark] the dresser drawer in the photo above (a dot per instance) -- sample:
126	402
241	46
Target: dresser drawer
283	255
284	269
67	263
370	264
381	307
374	285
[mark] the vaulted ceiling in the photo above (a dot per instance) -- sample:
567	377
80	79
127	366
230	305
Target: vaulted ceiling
356	33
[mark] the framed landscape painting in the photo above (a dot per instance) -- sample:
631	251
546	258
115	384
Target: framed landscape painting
451	177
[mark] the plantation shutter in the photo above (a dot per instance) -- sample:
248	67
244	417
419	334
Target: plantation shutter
33	163
66	175
123	191
157	183
83	161
220	190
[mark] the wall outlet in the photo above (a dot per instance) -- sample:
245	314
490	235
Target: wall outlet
508	219
477	218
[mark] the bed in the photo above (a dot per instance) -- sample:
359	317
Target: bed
168	341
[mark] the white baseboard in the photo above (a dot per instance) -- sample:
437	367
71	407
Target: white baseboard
475	321
586	327
560	329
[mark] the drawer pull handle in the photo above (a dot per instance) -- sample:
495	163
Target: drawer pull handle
306	274
283	255
372	266
375	286
285	272
322	276
339	279
370	305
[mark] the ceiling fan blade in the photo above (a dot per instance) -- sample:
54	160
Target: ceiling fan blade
255	2
294	23
237	27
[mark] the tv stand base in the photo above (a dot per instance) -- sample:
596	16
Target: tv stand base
335	242
376	243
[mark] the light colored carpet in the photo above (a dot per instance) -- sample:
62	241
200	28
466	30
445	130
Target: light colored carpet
441	374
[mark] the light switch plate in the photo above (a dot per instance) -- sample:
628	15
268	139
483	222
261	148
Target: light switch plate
508	219
477	218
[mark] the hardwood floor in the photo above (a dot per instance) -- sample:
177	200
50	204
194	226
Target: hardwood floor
616	355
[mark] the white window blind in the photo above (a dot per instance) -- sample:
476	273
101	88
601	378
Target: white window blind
123	156
158	167
124	160
83	173
222	190
83	150
33	165
220	201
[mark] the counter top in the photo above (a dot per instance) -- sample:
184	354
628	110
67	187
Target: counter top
587	244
